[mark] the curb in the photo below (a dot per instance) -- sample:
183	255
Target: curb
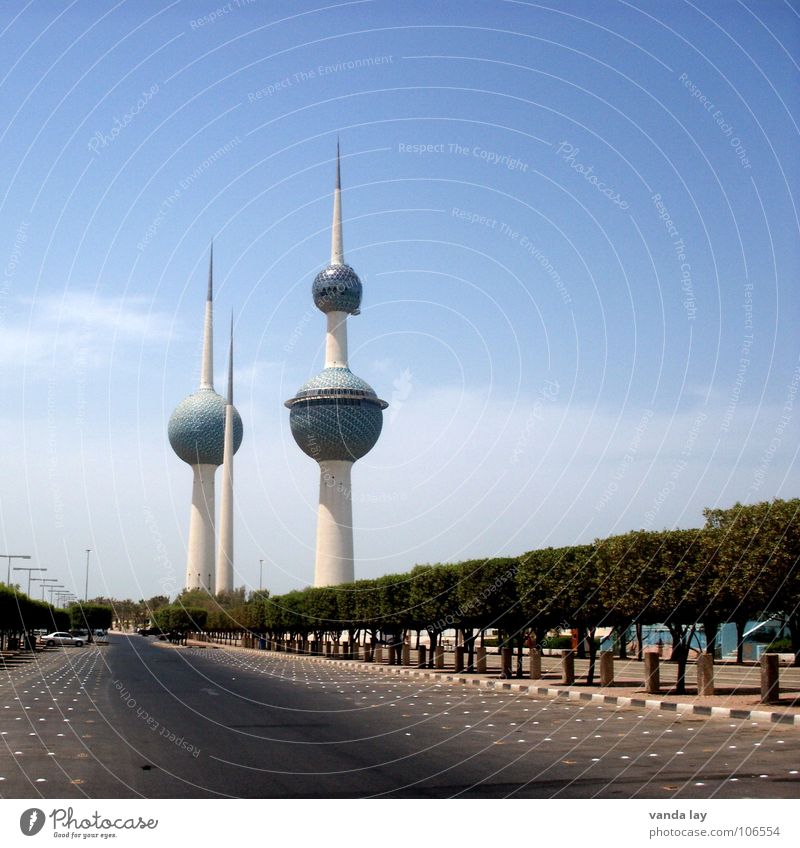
759	715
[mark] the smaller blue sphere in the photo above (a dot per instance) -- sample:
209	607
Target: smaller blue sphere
337	289
197	428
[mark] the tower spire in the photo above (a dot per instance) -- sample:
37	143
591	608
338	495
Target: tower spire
224	580
337	249
230	366
207	370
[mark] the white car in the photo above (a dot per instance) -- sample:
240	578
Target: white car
60	639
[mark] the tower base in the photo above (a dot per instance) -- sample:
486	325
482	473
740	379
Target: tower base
334	525
200	566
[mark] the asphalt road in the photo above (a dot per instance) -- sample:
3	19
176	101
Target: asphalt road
141	719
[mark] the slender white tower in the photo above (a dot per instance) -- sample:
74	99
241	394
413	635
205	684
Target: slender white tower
336	417
225	555
196	433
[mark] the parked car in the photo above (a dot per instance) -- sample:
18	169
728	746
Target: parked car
52	639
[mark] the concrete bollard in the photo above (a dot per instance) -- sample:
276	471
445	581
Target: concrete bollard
770	680
568	668
652	678
422	656
438	657
406	653
378	655
606	668
480	660
535	664
705	674
459	659
506	656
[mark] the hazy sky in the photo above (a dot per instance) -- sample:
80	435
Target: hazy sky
575	223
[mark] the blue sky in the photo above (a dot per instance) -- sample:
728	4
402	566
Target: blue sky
576	225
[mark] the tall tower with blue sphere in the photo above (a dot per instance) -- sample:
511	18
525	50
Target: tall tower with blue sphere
197	434
336	417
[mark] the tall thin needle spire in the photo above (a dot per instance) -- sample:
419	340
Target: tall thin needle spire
230	366
207	370
337	249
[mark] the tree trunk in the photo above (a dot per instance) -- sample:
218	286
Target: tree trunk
740	626
581	642
794	630
592	656
622	636
711	628
681	639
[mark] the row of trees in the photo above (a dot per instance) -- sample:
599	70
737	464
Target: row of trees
743	564
21	615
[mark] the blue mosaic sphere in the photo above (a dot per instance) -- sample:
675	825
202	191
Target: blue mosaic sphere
337	289
336	415
197	428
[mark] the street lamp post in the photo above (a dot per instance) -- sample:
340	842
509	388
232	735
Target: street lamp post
260	574
44	581
86	592
9	557
29	570
52	589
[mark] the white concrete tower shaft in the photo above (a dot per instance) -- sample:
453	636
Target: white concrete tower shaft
334	563
225	554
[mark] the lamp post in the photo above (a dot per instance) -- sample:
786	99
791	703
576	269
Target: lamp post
260	574
44	581
29	570
9	557
52	589
86	592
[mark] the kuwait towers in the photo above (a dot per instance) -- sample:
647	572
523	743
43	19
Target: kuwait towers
336	417
197	433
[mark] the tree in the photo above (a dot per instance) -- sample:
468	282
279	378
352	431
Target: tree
91	617
659	577
756	551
